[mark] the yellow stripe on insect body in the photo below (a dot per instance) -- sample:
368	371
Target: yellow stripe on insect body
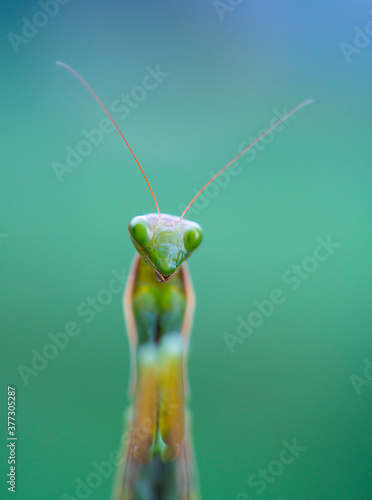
159	407
144	424
172	395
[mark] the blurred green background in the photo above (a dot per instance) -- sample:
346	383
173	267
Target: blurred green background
229	66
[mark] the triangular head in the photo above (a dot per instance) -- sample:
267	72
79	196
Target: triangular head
164	242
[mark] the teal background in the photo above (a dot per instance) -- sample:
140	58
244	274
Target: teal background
291	378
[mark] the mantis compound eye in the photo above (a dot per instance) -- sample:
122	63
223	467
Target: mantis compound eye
140	231
192	238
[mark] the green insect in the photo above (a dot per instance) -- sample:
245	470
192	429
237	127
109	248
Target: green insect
157	455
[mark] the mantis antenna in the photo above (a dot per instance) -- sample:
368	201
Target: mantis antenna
278	122
81	79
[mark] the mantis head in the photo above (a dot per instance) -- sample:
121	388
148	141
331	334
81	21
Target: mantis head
164	242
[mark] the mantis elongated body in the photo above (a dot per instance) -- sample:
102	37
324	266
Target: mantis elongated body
157	457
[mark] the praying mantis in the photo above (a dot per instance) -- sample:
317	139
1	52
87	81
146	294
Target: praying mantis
157	456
